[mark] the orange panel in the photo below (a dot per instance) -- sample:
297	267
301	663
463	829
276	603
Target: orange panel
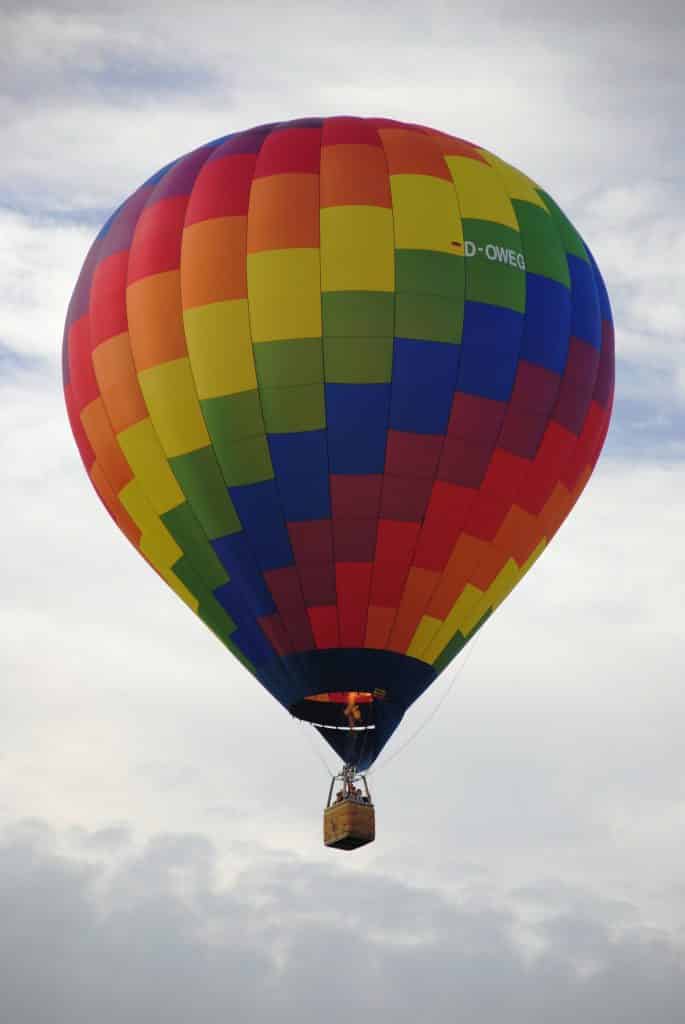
412	152
103	442
354	175
445	596
417	593
112	360
155	319
519	534
113	505
492	562
116	376
124	403
378	625
213	261
556	508
284	212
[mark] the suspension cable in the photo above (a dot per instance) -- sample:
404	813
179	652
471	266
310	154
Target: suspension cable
458	669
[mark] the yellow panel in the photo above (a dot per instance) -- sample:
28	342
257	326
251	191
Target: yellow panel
284	289
425	631
180	588
503	584
357	249
481	192
144	454
458	619
171	398
516	184
532	559
220	348
426	214
156	542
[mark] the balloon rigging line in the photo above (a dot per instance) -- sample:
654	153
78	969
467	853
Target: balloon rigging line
315	749
455	675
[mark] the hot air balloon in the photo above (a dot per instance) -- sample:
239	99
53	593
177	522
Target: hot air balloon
339	381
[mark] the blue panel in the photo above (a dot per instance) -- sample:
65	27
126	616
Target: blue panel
424	376
585	314
490	350
259	509
296	453
300	463
547	323
357	417
246	588
604	304
253	644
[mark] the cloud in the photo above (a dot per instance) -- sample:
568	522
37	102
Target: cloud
158	932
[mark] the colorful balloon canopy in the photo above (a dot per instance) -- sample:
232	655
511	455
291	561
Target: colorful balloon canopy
340	381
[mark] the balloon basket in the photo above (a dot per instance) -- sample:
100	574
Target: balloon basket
349	818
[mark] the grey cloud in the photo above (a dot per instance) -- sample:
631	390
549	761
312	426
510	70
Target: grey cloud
157	935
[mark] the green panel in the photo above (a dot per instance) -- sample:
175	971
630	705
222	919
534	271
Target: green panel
358	314
232	417
429	317
244	462
289	410
222	625
281	364
201	481
542	246
495	269
358	360
182	524
431	273
457	642
570	238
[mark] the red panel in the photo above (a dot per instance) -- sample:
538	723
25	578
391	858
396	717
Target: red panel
353	583
535	388
447	511
275	632
486	516
504	476
410	454
346	130
311	540
108	299
476	419
464	462
285	588
354	540
522	432
388	582
82	442
394	540
222	188
405	497
604	385
290	150
356	496
156	245
318	582
299	628
81	373
324	623
577	385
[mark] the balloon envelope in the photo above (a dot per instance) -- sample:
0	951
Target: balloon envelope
340	381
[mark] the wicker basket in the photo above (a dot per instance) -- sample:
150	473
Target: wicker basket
349	824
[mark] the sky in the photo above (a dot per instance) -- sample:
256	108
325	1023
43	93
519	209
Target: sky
160	832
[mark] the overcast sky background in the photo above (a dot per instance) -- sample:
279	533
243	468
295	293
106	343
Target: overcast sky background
160	849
